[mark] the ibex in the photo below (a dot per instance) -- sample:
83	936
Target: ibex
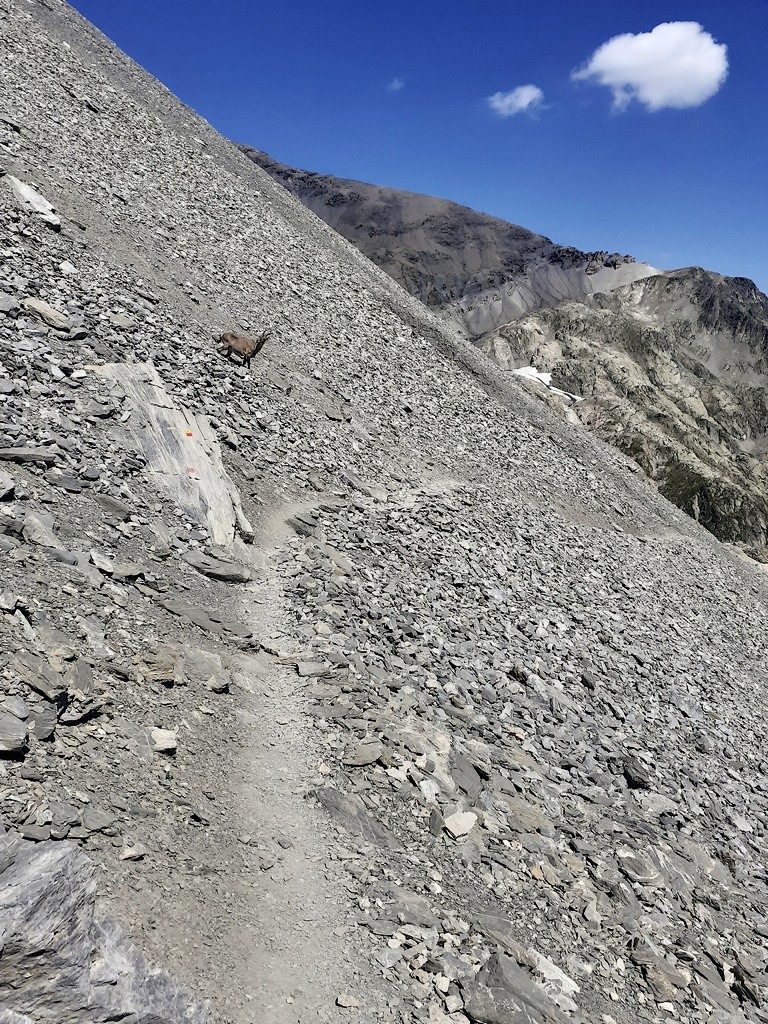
245	347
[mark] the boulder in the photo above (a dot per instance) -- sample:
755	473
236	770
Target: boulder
13	735
60	961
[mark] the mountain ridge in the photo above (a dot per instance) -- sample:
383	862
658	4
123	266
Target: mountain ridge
494	281
673	370
476	270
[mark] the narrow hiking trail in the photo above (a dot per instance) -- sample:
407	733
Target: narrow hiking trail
299	961
273	946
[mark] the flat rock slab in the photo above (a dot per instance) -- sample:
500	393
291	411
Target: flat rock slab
40	677
375	491
48	314
460	824
206	619
102	563
29	199
15	706
42	722
349	811
206	669
363	754
217	568
114	507
123	322
124	572
557	985
466	777
13	735
638	868
164	741
182	453
311	668
501	930
96	820
137	852
410	908
40	455
38	530
504	993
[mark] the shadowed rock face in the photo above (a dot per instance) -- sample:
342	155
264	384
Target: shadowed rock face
476	271
674	372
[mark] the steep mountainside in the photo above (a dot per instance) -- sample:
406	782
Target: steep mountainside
671	364
356	686
475	271
674	372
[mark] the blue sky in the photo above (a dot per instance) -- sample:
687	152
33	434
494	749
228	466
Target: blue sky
666	159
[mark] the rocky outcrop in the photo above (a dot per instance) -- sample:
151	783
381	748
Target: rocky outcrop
476	271
61	963
673	370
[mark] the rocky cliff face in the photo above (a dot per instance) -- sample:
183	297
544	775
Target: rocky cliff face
673	371
475	271
356	686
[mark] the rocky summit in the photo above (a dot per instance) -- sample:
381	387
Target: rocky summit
352	686
669	367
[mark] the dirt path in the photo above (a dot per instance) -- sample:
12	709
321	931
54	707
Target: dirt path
298	961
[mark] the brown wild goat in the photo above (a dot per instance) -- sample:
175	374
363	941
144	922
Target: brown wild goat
245	347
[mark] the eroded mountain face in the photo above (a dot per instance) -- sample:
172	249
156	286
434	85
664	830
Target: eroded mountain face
671	365
476	271
674	371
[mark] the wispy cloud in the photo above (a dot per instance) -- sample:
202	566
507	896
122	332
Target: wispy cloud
396	84
677	64
525	98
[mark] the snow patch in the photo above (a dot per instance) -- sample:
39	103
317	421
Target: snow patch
541	377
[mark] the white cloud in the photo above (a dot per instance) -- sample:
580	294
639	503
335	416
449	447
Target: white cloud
677	64
524	97
396	84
